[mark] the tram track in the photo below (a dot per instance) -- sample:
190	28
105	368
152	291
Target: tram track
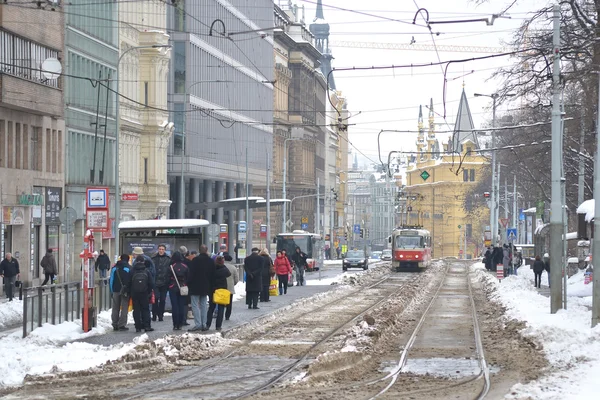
340	312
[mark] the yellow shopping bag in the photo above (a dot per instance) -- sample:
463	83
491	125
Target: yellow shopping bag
222	297
130	305
273	291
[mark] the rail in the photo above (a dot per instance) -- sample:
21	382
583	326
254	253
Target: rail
55	304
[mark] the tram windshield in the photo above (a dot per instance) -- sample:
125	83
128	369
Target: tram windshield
409	242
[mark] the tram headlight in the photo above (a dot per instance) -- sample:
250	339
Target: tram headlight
416	256
401	255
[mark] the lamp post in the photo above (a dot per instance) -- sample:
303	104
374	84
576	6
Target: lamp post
181	203
117	136
284	181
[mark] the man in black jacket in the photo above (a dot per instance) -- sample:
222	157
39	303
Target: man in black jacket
253	265
120	279
140	288
201	275
162	263
102	264
299	259
9	270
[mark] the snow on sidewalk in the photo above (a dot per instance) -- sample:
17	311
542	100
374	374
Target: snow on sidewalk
570	345
48	348
11	313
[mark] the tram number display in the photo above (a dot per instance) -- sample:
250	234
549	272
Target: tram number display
408	233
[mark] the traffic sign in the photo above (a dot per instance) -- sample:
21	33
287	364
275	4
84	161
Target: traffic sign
356	229
213	231
511	234
242	226
425	175
289	224
304	220
504	222
460	226
304	226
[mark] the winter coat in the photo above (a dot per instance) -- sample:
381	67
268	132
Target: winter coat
282	266
547	264
137	267
497	256
488	259
201	272
220	277
48	263
253	265
266	270
538	266
299	258
103	262
505	257
124	275
232	279
9	268
182	273
163	269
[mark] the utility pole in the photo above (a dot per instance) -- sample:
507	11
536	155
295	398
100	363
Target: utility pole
495	196
556	225
497	204
268	240
248	223
514	221
318	223
596	240
331	203
580	180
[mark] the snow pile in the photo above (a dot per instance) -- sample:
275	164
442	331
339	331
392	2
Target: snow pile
577	287
48	349
186	347
240	291
570	345
11	313
588	208
358	337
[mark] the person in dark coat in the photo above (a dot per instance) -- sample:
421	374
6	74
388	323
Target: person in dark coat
547	266
9	270
266	275
140	288
497	256
48	264
253	265
299	258
162	263
102	264
219	282
119	282
488	259
538	268
178	278
201	275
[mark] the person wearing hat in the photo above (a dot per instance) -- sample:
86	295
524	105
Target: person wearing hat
253	265
138	251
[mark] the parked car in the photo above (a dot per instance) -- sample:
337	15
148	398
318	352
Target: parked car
376	255
386	255
355	259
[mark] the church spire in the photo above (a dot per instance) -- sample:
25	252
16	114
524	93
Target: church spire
319	10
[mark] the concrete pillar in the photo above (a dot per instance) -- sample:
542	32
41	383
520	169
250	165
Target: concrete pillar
208	197
194	196
230	193
219	197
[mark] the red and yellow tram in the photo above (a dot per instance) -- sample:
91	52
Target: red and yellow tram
411	248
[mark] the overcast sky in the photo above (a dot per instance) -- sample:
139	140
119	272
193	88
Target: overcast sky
390	99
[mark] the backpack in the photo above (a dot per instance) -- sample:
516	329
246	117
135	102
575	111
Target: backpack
140	282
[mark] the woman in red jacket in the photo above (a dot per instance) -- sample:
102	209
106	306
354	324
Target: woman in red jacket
283	269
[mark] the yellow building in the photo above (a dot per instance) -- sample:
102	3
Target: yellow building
439	184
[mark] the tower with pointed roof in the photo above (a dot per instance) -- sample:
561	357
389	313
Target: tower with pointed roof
320	28
432	143
421	137
464	127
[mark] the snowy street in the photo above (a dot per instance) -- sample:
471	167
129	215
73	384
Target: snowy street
350	335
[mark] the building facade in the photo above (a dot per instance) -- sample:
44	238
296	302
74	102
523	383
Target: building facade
221	99
145	127
438	186
32	135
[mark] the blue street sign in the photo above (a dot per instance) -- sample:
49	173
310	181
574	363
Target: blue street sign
521	215
511	234
356	228
304	226
242	226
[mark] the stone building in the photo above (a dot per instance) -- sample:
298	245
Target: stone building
32	135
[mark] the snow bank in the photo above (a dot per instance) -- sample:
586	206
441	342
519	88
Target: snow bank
570	345
588	208
48	349
11	313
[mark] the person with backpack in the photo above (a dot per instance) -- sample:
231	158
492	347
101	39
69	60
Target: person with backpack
162	262
138	251
119	282
141	287
178	279
538	268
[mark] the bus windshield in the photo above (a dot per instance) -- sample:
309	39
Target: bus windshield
409	242
290	242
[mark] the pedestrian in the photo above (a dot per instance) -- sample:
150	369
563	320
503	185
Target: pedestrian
300	258
142	284
283	269
9	270
538	268
201	272
178	278
138	251
102	265
219	281
232	280
266	275
339	252
292	274
48	264
253	265
547	266
190	256
162	262
119	282
488	259
506	260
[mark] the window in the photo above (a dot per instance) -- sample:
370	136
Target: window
469	230
145	170
468	151
472	175
180	62
465	175
146	93
179	122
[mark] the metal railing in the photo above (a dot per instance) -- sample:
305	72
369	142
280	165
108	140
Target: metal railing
59	303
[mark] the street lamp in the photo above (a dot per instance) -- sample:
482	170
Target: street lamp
181	203
118	135
284	180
